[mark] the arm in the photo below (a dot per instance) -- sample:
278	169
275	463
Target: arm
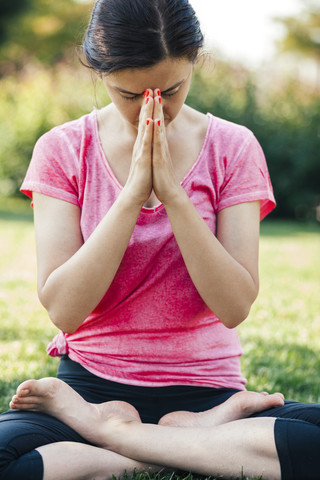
224	269
74	276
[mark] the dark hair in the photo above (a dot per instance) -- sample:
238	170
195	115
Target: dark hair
140	33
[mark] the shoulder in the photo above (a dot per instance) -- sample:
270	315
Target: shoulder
228	133
72	133
224	134
63	151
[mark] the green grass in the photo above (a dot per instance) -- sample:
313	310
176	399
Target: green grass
280	338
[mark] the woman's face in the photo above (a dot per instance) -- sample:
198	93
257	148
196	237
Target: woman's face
171	76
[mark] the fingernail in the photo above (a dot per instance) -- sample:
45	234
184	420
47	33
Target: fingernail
147	101
160	99
146	93
148	121
158	92
159	123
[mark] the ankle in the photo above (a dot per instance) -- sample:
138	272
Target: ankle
119	429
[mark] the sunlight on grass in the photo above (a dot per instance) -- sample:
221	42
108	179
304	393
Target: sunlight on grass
281	336
25	329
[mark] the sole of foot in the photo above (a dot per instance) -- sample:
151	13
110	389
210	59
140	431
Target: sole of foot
240	405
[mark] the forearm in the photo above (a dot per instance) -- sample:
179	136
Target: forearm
74	289
224	284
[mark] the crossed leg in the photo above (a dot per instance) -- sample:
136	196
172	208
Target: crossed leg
116	426
78	461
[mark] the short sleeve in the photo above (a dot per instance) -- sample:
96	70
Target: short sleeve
53	169
247	179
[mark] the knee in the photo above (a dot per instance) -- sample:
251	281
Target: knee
17	453
8	452
311	414
15	459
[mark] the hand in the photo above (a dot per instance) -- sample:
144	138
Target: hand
165	184
139	182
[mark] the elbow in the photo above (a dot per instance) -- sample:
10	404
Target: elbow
233	319
62	306
64	324
239	312
63	320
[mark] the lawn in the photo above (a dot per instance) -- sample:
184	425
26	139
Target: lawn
280	338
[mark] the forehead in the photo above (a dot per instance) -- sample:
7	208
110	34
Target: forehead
163	75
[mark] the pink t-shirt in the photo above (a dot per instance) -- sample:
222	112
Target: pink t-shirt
152	328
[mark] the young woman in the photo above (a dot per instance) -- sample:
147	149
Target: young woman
147	223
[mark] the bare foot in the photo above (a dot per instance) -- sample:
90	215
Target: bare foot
240	405
54	397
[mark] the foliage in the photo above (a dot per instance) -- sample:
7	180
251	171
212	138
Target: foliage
9	10
43	31
286	121
34	102
303	32
42	85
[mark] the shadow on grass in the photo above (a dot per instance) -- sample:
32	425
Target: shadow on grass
285	367
16	216
28	333
287	228
8	388
16	209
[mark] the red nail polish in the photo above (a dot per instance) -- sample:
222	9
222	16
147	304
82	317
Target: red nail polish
160	99
159	123
147	101
148	121
158	92
146	93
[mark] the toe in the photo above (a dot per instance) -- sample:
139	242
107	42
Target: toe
25	387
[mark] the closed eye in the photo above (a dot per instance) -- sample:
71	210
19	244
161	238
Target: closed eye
132	97
168	93
171	94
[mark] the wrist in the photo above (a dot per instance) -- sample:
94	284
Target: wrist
130	201
177	199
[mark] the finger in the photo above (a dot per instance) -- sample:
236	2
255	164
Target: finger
158	140
147	137
158	108
148	93
147	103
145	113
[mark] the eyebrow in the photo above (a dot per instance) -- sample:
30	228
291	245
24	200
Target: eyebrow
176	85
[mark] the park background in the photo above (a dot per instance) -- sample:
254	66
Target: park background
274	91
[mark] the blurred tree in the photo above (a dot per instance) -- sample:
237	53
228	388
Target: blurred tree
10	9
40	34
286	122
303	32
44	31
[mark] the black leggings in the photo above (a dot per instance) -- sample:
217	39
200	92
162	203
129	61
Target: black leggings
297	428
